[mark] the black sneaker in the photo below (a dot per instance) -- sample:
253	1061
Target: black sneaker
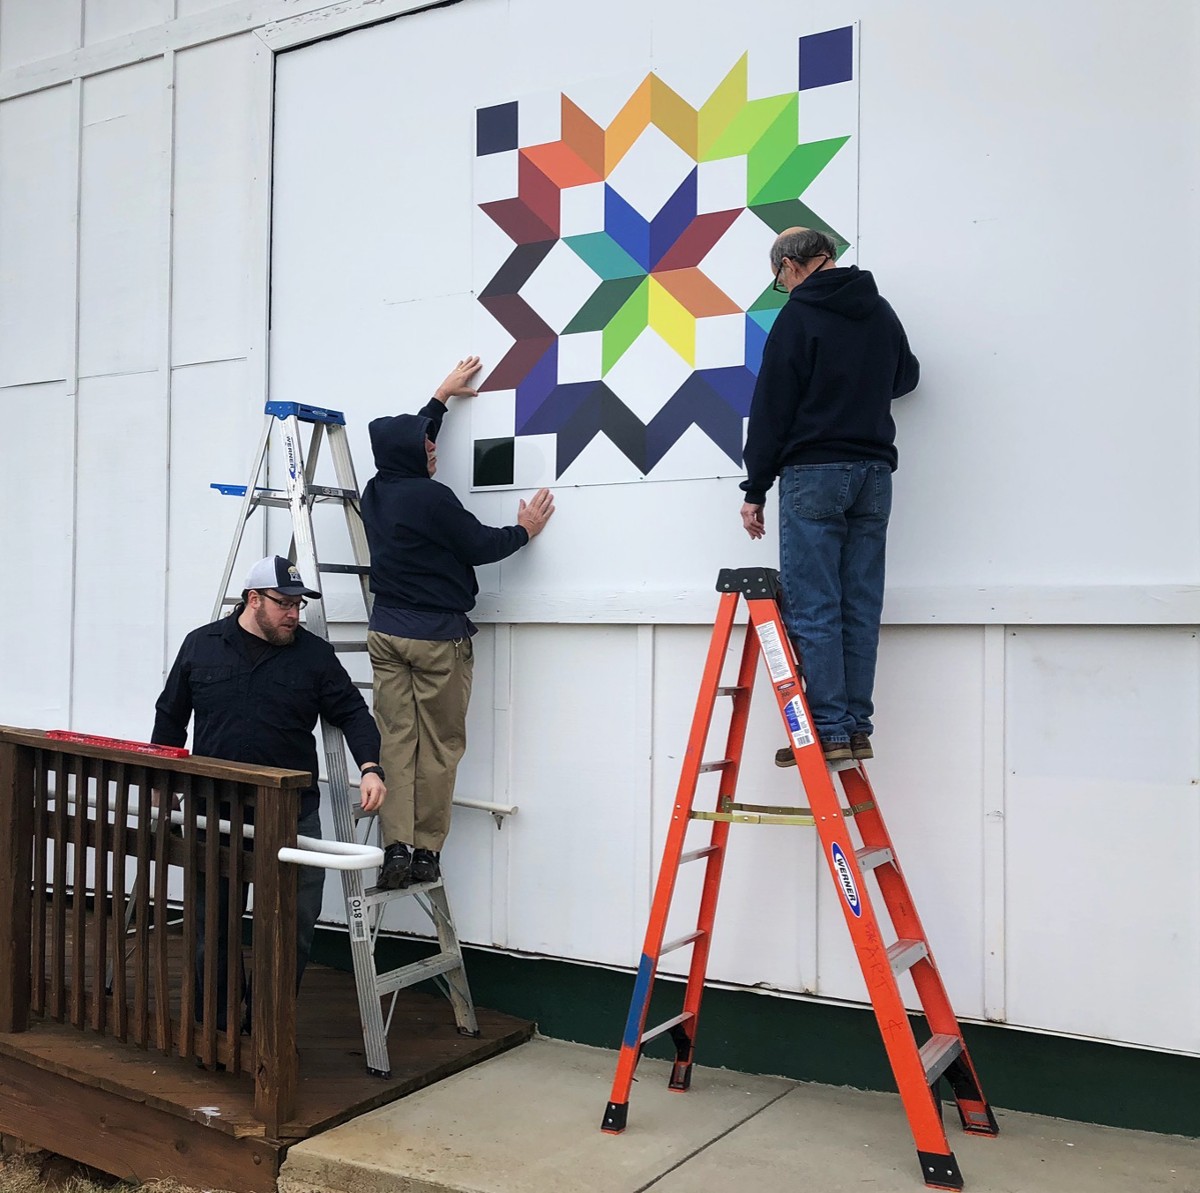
396	871
426	866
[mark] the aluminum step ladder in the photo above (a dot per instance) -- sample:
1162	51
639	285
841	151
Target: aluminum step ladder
918	1068
365	905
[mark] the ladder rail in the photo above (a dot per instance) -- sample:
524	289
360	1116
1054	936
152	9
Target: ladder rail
668	872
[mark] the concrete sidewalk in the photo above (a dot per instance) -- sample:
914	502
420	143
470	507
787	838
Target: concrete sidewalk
529	1122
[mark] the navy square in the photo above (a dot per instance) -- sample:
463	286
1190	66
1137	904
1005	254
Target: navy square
496	129
827	58
494	461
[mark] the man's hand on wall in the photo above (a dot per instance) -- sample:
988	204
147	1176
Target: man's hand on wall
458	381
536	513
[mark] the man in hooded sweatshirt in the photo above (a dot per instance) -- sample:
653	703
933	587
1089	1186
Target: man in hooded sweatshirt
424	550
821	421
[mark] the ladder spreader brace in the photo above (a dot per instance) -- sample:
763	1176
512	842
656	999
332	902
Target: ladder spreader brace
365	905
917	1068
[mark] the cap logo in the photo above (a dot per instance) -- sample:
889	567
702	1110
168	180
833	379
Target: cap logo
293	574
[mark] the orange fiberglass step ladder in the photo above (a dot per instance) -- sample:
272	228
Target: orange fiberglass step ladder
918	1068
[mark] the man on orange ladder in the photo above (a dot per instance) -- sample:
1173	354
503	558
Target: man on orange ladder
821	421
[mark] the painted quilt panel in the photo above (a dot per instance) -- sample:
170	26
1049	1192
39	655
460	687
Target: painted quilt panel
621	258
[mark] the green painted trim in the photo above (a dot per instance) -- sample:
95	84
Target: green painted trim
836	1045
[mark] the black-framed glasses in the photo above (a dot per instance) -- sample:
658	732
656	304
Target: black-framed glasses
778	274
297	605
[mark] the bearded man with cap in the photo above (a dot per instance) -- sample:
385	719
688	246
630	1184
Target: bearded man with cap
257	683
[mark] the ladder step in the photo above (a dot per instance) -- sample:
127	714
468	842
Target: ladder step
679	943
365	684
344	569
418	971
869	856
694	855
332	493
347	647
904	954
306	414
706	767
375	895
731	690
664	1027
938	1053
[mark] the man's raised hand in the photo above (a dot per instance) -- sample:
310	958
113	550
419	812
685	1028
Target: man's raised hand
457	383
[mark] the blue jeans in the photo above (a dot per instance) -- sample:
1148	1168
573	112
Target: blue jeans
832	539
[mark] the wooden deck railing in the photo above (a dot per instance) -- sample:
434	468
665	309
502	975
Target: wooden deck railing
88	840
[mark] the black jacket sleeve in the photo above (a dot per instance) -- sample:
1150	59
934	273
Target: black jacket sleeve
908	369
782	377
342	703
470	541
174	707
435	411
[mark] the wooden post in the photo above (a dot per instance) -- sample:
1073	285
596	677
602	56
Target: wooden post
16	875
276	813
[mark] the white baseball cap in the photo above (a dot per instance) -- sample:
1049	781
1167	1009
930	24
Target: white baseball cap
280	574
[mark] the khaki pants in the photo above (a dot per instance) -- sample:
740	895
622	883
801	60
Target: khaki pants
422	689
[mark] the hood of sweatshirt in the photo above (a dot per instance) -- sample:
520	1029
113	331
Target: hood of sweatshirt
847	291
398	441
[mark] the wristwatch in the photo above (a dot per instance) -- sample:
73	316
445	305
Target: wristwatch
373	770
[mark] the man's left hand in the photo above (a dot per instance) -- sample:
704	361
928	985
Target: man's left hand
371	792
752	520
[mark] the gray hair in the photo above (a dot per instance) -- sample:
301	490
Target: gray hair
802	244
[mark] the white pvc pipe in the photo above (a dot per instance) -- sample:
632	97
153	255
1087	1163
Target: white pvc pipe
311	851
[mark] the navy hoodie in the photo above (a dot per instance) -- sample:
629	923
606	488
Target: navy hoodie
424	544
834	360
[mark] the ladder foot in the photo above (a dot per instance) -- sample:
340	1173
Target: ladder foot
614	1118
386	1074
681	1076
940	1171
473	1034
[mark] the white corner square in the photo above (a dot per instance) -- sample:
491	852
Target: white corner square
582	209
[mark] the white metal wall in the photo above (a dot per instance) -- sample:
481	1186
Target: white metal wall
1027	204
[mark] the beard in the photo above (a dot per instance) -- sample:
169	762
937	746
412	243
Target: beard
275	635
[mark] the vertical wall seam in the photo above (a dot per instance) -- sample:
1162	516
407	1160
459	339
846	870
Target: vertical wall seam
73	378
994	828
167	282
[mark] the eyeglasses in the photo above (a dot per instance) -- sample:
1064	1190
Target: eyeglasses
296	605
778	274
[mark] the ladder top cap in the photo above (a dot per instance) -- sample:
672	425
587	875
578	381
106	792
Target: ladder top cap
306	414
752	583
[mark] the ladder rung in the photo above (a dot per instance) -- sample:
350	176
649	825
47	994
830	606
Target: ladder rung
278	503
418	971
345	569
754	818
938	1053
666	1026
904	954
332	493
374	895
678	943
365	684
694	855
731	690
345	647
869	856
705	767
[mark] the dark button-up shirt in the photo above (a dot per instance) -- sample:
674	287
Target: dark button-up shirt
262	712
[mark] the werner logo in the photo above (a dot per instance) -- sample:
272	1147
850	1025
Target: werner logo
841	868
290	447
